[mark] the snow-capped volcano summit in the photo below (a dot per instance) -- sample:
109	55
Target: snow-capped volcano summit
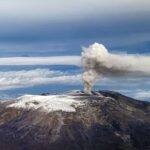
47	103
75	121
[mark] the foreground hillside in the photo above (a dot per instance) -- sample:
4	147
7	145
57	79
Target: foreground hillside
75	121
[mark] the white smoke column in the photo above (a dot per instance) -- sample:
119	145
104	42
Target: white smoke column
90	57
97	61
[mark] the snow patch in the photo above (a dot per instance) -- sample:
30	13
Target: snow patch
47	103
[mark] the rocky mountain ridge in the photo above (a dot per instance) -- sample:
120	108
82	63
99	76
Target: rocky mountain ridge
105	121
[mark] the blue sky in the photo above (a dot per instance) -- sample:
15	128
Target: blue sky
56	27
61	27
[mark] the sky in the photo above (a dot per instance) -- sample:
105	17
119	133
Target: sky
60	28
36	26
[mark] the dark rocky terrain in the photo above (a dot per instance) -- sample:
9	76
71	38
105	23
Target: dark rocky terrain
111	122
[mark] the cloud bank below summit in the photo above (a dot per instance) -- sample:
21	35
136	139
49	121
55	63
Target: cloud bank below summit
28	78
56	60
127	69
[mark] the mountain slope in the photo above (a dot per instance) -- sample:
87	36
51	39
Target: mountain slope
104	120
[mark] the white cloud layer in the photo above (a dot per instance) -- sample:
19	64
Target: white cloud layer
19	79
142	95
64	9
57	60
28	78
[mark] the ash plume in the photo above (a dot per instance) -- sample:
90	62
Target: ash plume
97	62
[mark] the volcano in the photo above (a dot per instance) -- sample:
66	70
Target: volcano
102	120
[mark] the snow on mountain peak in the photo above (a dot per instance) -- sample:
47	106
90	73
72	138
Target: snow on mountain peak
47	103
